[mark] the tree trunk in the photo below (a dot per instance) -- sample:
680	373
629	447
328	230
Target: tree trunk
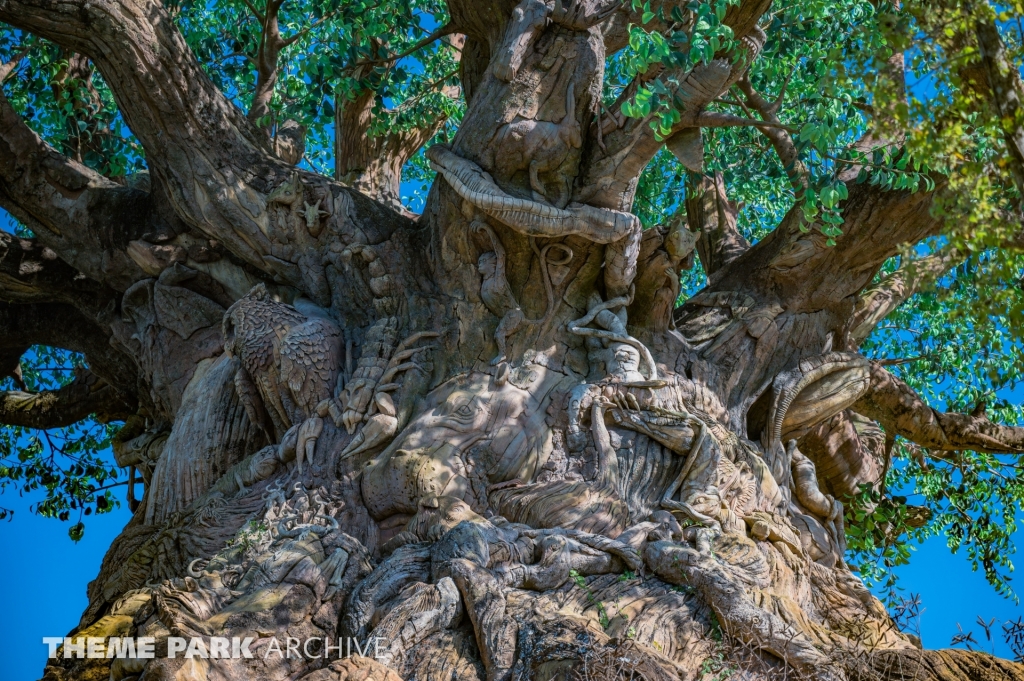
483	439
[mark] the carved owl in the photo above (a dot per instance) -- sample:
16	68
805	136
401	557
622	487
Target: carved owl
289	362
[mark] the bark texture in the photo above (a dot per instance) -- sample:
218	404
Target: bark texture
485	436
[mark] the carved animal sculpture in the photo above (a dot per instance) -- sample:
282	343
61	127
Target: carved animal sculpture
498	297
816	389
495	292
313	214
621	231
289	364
539	147
288	192
299	225
531	16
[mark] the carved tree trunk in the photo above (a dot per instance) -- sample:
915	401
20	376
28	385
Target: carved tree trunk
483	437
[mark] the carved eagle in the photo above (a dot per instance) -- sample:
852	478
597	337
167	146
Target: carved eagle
289	362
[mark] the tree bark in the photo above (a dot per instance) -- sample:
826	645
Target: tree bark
467	435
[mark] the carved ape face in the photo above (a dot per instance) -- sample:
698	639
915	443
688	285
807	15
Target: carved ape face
487	264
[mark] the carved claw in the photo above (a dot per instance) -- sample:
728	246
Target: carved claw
358	396
351	419
336	409
286	450
309	431
378	429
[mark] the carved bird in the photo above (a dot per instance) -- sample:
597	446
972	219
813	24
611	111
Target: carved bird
289	365
309	358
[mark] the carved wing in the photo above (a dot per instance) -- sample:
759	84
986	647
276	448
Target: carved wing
252	402
310	355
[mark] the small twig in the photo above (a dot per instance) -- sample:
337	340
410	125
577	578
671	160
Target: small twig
714	119
9	67
252	8
307	29
93	490
441	32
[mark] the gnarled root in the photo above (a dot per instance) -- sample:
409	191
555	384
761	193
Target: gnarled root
485	602
736	610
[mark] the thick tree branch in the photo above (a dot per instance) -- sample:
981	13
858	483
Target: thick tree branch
791	295
876	302
1006	90
196	140
609	177
86	394
32	273
61	325
885	130
157	81
87	132
215	167
798	270
902	412
709	211
86	219
288	137
270	46
779	137
373	164
8	67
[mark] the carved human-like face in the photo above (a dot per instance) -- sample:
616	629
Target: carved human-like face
486	265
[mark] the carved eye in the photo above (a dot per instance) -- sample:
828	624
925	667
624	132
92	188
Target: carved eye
464	410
